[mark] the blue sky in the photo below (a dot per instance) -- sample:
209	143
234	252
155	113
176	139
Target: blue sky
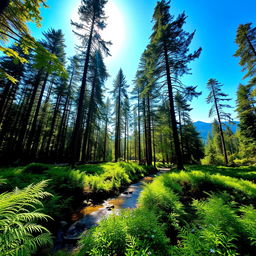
130	27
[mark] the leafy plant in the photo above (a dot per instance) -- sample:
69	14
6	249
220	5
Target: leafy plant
132	233
20	234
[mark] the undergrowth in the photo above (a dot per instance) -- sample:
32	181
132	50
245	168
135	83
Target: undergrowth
69	186
198	212
20	231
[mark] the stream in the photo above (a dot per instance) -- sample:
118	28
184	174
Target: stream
93	214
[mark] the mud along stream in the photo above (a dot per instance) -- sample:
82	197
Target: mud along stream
92	214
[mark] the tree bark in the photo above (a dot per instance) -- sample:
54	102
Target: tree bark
220	126
118	121
149	138
172	112
139	137
76	141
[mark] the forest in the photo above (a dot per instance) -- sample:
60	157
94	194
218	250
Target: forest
87	170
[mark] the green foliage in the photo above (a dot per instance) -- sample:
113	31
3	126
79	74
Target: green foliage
214	233
158	198
205	209
66	184
248	224
133	232
13	22
19	232
246	41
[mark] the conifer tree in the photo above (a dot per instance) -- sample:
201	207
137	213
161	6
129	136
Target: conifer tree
171	44
216	96
246	41
120	94
92	19
107	114
247	116
98	75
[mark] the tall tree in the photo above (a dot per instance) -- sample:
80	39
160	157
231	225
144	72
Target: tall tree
246	111
107	113
54	43
247	116
98	75
171	45
216	96
119	94
246	41
92	19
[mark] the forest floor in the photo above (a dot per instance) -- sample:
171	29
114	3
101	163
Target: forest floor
72	188
204	210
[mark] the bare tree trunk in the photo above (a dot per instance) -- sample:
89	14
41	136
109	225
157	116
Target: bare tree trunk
139	137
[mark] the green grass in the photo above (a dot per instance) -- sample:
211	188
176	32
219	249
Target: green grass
205	210
69	186
132	233
244	172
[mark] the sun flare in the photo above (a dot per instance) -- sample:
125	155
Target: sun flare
115	30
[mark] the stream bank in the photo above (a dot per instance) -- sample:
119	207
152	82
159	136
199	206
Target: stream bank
92	214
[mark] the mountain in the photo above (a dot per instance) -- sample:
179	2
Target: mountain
205	128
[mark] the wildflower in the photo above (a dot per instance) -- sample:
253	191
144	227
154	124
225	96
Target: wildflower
212	250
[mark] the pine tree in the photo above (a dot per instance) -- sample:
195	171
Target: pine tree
247	116
171	44
119	93
246	112
191	145
216	96
92	19
98	75
246	41
107	113
54	43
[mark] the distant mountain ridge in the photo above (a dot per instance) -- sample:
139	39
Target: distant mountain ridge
205	128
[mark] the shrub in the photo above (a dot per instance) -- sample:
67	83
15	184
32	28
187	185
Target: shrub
213	160
133	232
248	223
19	232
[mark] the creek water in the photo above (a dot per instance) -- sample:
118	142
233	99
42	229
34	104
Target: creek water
91	215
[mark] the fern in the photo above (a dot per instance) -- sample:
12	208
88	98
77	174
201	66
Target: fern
19	232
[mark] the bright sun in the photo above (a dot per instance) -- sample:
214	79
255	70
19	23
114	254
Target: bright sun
115	30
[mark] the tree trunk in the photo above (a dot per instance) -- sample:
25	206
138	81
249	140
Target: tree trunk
76	141
154	144
27	114
172	112
220	126
88	123
149	142
118	122
35	119
105	140
60	136
55	113
181	134
139	138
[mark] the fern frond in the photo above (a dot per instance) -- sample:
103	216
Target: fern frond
19	232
